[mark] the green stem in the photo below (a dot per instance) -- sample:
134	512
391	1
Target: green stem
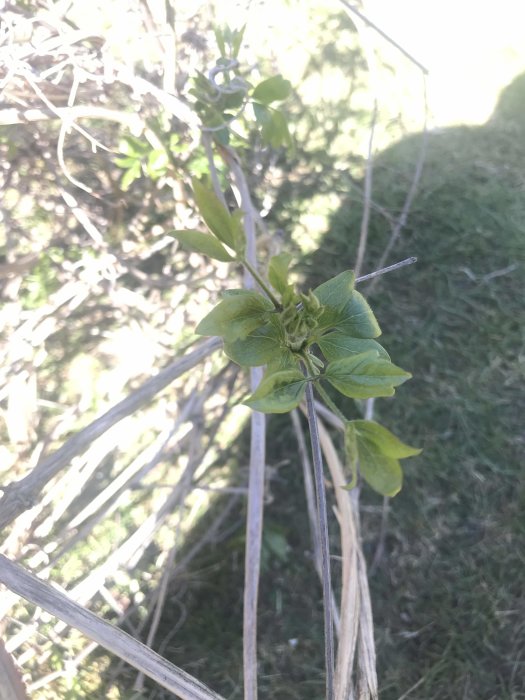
322	392
328	401
262	284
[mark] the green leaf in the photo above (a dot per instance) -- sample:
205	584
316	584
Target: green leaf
337	345
234	100
365	376
126	162
274	128
219	38
260	347
200	242
351	452
276	132
336	292
215	215
236	40
134	146
130	176
272	90
157	164
383	439
278	392
262	114
357	318
382	473
278	271
284	359
236	316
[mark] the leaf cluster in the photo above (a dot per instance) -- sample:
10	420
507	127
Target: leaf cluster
219	104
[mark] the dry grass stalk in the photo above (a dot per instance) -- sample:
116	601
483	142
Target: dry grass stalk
356	631
40	593
20	496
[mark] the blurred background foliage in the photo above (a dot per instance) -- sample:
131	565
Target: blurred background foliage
96	297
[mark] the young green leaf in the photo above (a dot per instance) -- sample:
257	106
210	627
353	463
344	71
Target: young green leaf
236	40
382	473
236	316
336	292
215	215
278	271
385	441
337	345
277	133
219	38
357	318
260	347
272	89
278	392
200	242
132	174
262	114
365	376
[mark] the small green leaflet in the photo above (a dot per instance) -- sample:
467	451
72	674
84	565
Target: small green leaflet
337	345
200	242
385	441
336	292
278	271
217	218
236	316
357	318
274	127
133	173
365	376
272	89
378	451
260	347
382	473
278	392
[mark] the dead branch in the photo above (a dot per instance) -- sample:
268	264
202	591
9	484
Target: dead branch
23	494
57	603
